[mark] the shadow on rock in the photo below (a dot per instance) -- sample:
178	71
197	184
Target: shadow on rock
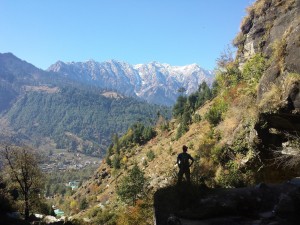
265	204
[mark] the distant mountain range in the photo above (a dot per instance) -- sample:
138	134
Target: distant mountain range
78	106
40	108
154	82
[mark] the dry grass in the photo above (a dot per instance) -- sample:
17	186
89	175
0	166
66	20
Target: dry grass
271	100
290	79
286	5
275	96
279	52
255	10
260	7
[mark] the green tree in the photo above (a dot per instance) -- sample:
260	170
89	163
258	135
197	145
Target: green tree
83	204
116	161
132	185
204	94
116	144
22	168
215	113
178	108
148	133
227	72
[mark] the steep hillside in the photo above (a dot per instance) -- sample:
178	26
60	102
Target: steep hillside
14	73
248	133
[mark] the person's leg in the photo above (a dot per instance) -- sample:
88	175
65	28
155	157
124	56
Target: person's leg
188	176
180	175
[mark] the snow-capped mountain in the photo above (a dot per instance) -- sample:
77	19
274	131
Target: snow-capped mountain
153	82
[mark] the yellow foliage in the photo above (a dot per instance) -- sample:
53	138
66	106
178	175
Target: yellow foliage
140	214
124	159
74	206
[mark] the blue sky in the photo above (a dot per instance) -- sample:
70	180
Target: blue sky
178	32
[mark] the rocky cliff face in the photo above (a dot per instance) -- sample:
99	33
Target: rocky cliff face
272	29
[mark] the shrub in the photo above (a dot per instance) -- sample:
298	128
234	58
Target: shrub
74	206
141	214
254	69
215	113
164	126
197	177
196	118
182	129
279	51
271	99
227	72
83	204
231	176
106	216
239	39
150	155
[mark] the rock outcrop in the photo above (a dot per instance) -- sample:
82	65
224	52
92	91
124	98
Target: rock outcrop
272	29
261	204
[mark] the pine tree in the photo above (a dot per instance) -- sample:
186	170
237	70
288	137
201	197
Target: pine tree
132	185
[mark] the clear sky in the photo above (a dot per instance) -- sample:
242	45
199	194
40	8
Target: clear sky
178	32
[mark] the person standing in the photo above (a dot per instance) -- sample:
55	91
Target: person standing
184	162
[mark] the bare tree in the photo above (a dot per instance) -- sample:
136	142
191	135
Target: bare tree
22	168
225	58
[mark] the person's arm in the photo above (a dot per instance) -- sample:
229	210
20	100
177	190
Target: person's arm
192	159
178	161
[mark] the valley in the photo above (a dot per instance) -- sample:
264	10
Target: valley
62	160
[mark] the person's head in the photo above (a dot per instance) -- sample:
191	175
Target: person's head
184	148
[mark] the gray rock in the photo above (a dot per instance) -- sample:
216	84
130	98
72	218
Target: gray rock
173	220
285	206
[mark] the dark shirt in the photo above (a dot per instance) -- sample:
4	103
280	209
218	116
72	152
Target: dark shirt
183	160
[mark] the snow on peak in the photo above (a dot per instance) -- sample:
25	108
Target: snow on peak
155	82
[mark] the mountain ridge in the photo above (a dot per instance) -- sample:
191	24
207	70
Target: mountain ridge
154	82
34	105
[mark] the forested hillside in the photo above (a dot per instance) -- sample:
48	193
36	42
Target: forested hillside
41	108
77	119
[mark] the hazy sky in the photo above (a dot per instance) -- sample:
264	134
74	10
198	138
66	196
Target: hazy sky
177	32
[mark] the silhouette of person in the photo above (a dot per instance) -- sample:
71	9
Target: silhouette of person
184	164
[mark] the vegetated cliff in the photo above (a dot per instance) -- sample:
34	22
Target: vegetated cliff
248	133
272	28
